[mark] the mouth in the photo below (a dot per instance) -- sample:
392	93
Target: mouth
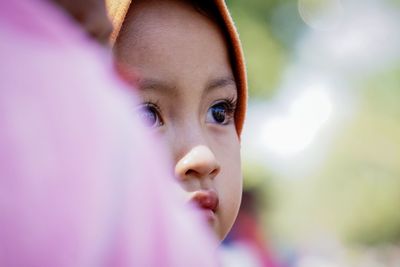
207	201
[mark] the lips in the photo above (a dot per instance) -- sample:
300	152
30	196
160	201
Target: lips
206	200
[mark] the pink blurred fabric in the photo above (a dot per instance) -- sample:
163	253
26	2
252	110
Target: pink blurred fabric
81	181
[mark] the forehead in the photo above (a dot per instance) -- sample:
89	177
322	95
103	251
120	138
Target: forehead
173	36
147	17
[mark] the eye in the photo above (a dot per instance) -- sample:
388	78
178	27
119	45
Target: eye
221	112
149	113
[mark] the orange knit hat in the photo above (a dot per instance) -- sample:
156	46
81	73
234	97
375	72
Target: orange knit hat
117	10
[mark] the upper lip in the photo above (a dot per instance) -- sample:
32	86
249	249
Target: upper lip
206	199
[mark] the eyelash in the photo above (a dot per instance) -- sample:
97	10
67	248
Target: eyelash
228	103
231	102
151	106
230	106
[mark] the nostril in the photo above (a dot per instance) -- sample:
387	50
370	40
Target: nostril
191	173
214	172
196	173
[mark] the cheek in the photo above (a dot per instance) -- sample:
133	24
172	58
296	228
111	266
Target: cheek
230	178
230	183
229	187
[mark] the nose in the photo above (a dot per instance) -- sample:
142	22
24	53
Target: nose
199	162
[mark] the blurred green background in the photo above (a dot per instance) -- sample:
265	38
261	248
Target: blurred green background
343	182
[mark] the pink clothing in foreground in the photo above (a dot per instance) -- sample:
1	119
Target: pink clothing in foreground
80	182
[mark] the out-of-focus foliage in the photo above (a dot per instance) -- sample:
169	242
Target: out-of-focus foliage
355	193
266	29
264	57
361	181
396	2
256	176
340	195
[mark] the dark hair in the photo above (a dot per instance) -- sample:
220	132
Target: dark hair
208	9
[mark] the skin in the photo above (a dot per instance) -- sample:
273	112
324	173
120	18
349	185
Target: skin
184	76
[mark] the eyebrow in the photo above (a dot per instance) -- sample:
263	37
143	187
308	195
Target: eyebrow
221	82
155	84
148	83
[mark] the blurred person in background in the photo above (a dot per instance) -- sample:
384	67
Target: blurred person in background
78	185
191	78
247	238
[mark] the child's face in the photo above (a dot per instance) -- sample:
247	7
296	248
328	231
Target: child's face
189	93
